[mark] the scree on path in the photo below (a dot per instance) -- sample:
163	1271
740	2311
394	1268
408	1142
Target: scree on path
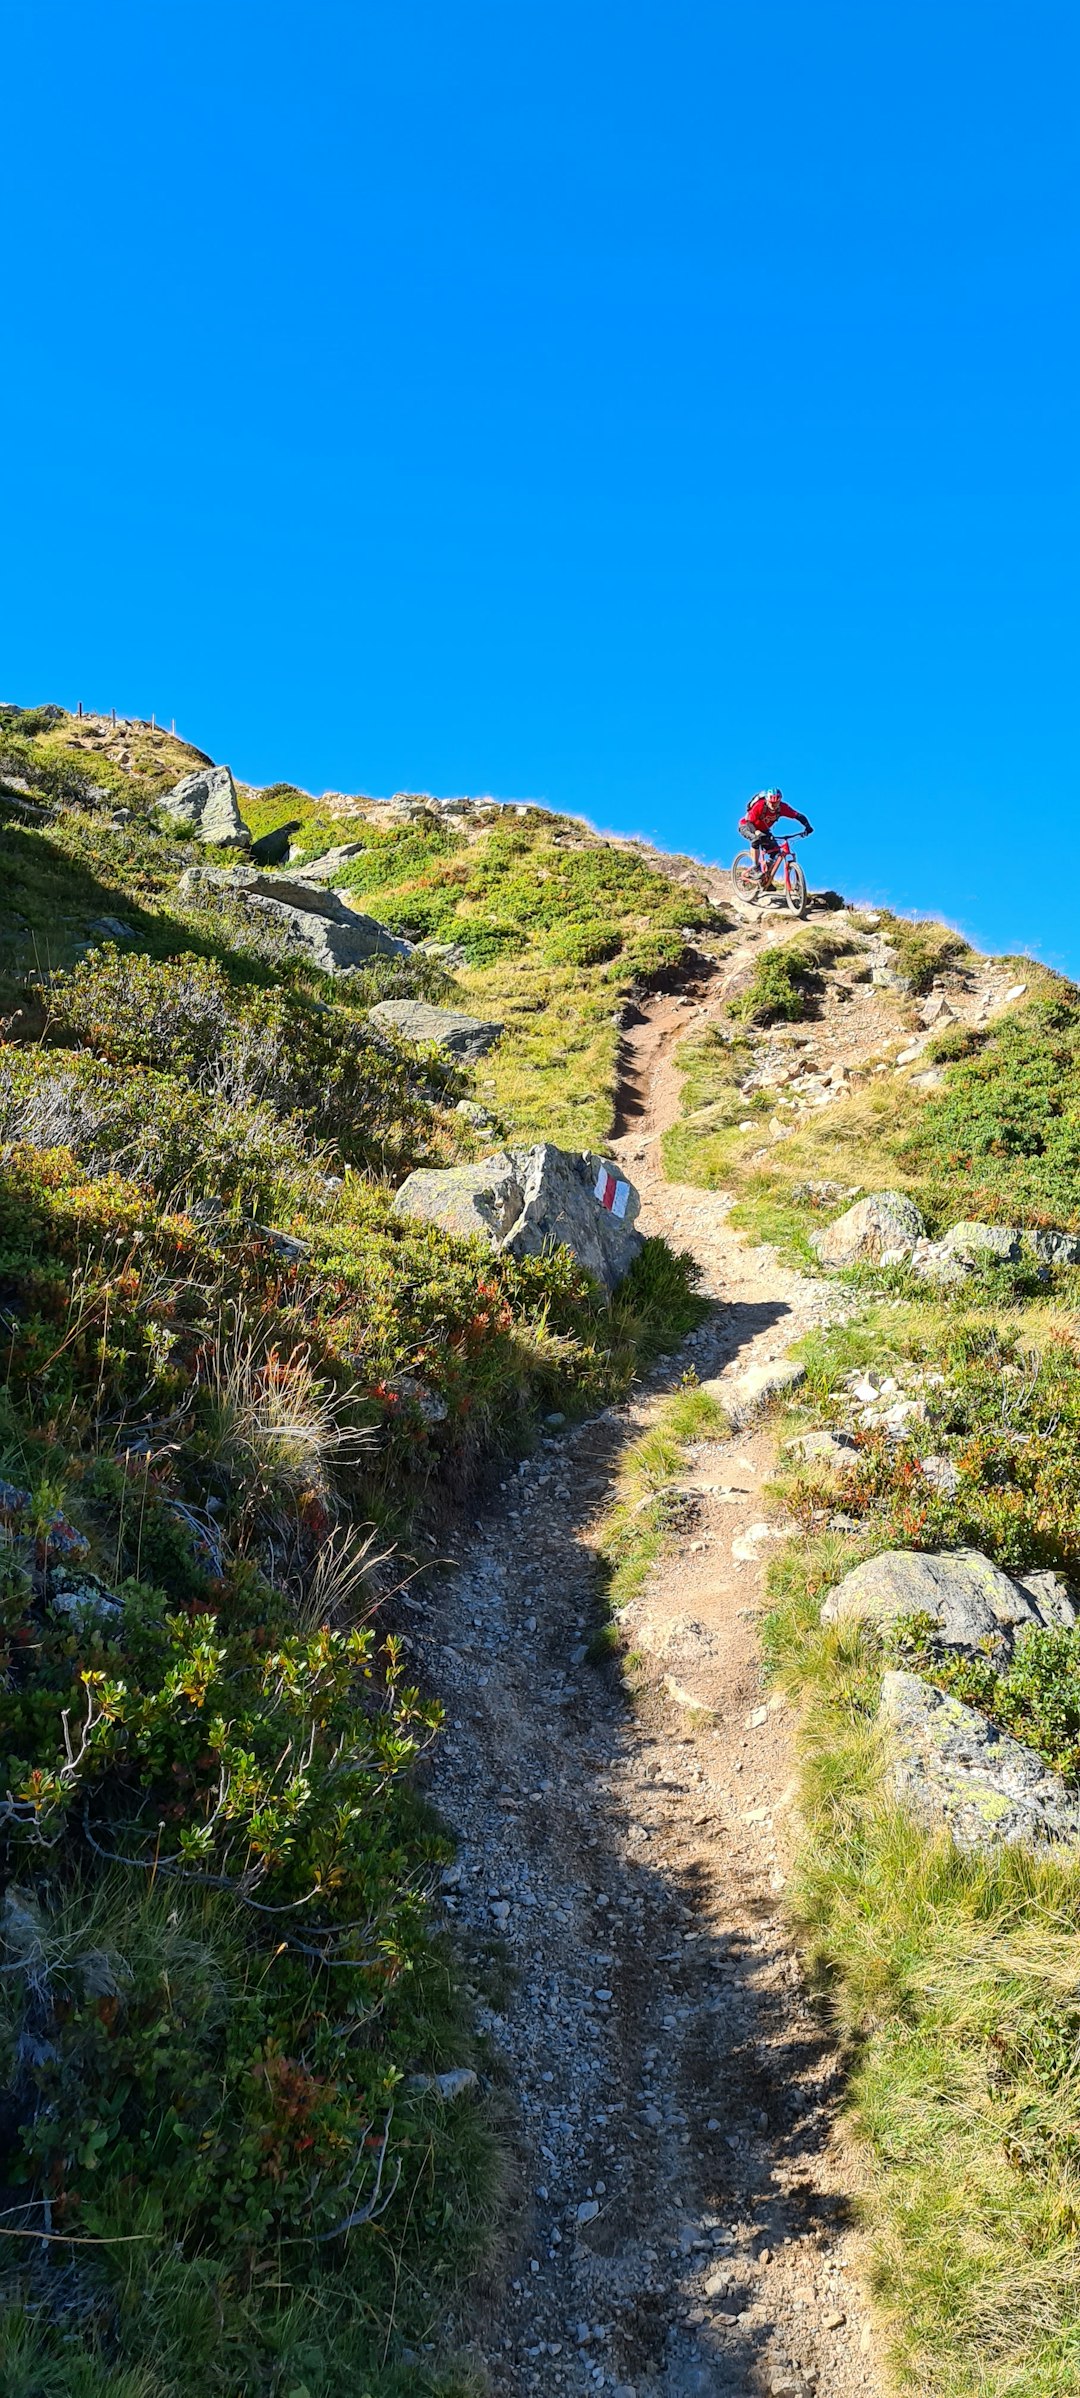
683	2222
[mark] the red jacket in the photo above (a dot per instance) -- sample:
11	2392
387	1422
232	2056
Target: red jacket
764	810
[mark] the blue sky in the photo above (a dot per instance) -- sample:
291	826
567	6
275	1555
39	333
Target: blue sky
622	405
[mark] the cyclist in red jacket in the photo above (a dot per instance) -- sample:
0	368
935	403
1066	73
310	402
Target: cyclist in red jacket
756	826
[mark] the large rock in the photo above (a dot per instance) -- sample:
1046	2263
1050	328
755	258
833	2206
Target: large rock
884	1225
982	1243
527	1201
204	803
326	869
1054	1248
414	1020
336	937
752	1392
952	1768
971	1602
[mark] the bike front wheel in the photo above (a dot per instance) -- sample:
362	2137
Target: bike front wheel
745	879
795	886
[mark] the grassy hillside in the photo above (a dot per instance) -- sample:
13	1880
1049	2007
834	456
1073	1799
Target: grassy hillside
241	1402
952	1979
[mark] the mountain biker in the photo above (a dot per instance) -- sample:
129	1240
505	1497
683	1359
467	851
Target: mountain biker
756	826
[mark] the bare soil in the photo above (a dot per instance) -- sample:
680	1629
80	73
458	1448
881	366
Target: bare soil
685	2224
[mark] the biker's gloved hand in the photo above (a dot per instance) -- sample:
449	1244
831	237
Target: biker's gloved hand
806	824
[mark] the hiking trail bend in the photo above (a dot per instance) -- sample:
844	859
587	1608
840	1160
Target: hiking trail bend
684	2222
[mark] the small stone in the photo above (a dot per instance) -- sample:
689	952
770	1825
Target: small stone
834	2320
588	2211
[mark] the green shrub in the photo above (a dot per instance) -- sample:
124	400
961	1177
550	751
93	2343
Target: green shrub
924	950
1009	1117
583	945
307	1061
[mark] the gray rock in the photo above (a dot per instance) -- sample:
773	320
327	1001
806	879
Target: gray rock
336	937
1053	1248
460	2082
822	1449
1053	1605
749	1394
528	1201
415	1020
884	1222
941	1474
951	1767
204	803
982	1241
82	1598
935	1262
111	928
326	869
972	1603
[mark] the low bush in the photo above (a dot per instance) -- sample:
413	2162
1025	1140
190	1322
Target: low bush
786	980
924	950
312	1062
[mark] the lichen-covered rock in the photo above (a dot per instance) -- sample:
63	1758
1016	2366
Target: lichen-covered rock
527	1201
981	1241
414	1020
204	803
885	1223
336	938
971	1602
952	1768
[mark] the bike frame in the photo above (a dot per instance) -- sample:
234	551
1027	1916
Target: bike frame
784	852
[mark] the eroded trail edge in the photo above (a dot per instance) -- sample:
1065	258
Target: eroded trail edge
684	2225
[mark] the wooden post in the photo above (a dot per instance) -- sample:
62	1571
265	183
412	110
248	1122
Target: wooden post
80	707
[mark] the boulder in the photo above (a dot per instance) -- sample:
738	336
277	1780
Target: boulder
528	1201
972	1603
825	1450
885	1223
414	1020
935	1262
952	1768
337	938
1053	1248
980	1243
204	803
1052	1602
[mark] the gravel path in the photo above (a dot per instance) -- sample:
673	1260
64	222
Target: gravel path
685	2218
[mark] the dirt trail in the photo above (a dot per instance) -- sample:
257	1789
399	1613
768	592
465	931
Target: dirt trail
684	2226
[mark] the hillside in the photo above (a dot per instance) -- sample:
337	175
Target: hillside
390	1629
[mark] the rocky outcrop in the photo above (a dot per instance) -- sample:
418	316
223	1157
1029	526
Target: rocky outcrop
413	1020
972	1604
527	1201
884	1225
204	803
326	869
336	938
952	1769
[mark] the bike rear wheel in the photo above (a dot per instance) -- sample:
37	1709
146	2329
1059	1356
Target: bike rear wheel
795	886
745	879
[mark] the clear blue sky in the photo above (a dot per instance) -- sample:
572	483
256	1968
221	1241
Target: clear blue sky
618	404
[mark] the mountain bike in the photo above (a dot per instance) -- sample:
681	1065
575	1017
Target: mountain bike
752	884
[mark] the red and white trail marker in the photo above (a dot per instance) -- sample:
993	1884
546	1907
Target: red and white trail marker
611	1193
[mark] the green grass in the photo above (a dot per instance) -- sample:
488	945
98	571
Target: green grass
786	981
953	1986
233	1381
646	1506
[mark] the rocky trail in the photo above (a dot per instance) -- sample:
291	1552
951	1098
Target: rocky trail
684	2222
